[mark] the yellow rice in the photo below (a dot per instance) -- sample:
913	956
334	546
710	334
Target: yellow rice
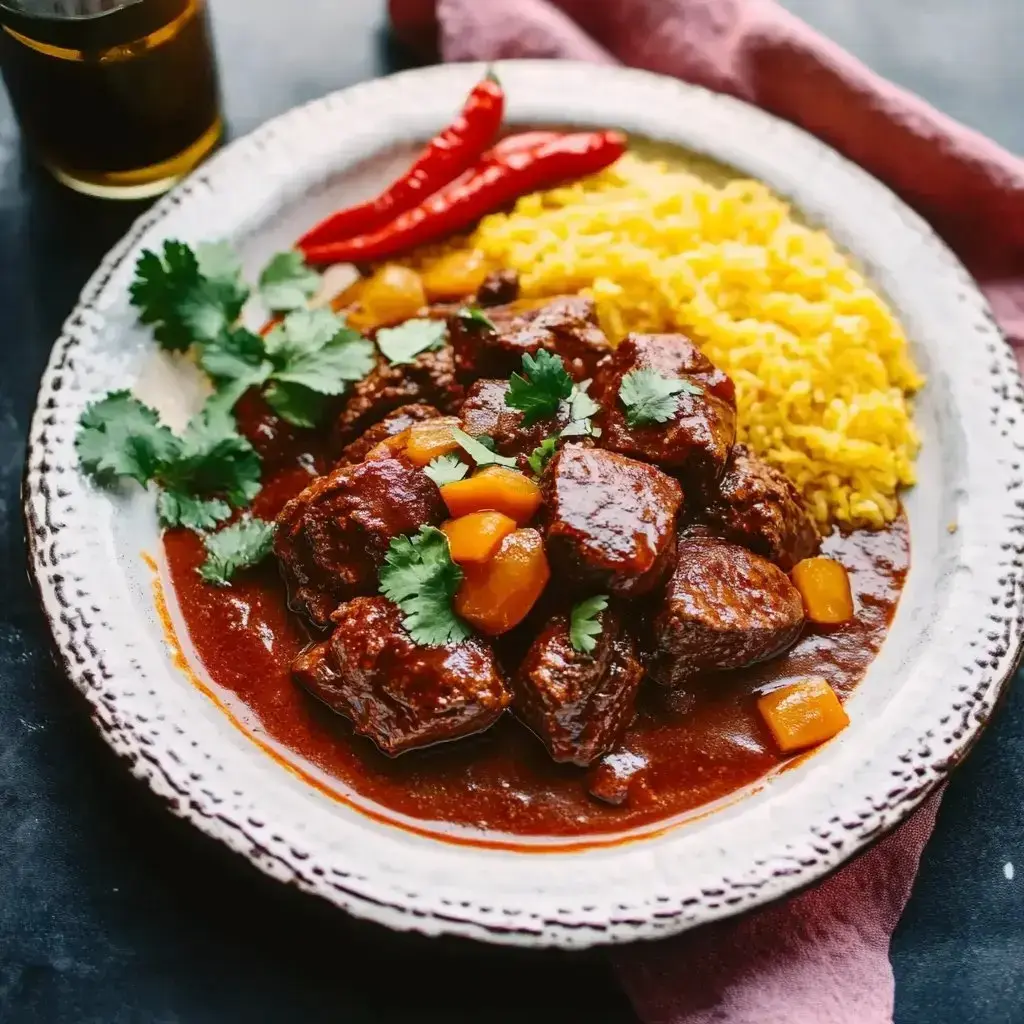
821	365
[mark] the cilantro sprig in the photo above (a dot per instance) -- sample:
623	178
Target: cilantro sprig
478	450
582	409
402	344
542	454
202	474
238	546
474	317
445	469
540	389
420	577
649	397
187	295
585	624
286	283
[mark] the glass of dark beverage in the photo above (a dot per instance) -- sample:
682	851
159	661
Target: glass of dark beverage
118	99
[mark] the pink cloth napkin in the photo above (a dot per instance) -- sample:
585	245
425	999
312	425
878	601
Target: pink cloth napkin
821	957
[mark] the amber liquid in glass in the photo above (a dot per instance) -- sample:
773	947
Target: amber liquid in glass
117	117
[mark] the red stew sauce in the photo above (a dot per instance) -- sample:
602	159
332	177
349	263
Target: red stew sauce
693	746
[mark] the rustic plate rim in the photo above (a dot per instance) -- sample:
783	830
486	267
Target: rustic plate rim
561	929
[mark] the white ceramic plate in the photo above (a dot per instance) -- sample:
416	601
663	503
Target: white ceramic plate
953	643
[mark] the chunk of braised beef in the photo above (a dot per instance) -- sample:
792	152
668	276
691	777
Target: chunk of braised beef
696	441
578	704
499	288
758	506
331	539
429	379
618	778
566	325
277	442
609	521
398	693
394	423
724	608
485	412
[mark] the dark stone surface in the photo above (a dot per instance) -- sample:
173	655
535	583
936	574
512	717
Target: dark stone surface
112	911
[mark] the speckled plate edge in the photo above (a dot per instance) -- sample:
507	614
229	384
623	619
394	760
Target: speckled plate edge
969	645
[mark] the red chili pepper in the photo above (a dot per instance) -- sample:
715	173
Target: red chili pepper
445	157
494	182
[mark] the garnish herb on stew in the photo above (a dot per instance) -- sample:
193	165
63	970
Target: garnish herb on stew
650	397
446	469
420	577
540	389
474	316
286	283
480	450
542	454
402	344
585	623
187	295
202	474
313	355
581	408
238	546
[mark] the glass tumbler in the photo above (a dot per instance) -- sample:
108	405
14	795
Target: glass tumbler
118	99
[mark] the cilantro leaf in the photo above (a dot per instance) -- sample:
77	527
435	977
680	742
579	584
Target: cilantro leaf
348	356
159	286
584	624
287	283
539	393
236	355
175	508
478	451
474	316
188	296
420	577
214	459
297	404
402	344
446	469
542	454
312	353
650	397
239	546
581	408
120	437
217	261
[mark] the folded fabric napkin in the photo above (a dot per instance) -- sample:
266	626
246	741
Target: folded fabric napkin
821	957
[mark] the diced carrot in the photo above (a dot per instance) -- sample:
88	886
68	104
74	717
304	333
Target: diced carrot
455	275
475	537
431	438
394	293
393	445
825	587
497	489
496	595
803	714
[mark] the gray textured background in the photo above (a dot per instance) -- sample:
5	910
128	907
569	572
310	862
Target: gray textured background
112	912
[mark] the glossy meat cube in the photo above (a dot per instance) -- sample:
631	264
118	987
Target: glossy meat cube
610	522
696	440
428	379
398	693
724	608
331	539
485	412
578	704
394	423
758	506
566	325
